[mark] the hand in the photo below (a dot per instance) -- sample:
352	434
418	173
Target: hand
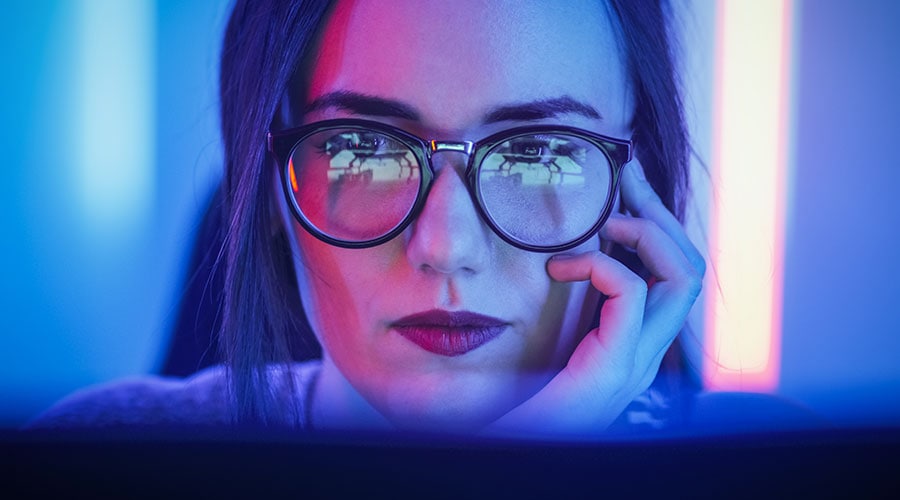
619	359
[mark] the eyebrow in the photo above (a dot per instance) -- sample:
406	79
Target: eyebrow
369	105
544	108
362	104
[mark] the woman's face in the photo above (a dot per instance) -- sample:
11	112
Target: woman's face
395	320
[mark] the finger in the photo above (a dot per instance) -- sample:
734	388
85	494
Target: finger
656	249
640	198
621	315
676	287
652	368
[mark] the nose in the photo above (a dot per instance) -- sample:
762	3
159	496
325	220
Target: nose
448	236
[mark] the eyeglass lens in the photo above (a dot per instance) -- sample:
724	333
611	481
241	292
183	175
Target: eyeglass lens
356	185
545	190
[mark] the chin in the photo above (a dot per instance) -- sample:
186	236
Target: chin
459	406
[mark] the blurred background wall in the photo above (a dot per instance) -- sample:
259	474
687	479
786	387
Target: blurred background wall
109	130
841	340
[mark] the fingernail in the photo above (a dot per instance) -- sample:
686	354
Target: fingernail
563	256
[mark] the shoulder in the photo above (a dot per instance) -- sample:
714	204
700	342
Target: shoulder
200	400
147	400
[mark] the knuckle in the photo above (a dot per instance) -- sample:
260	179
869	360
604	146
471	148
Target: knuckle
699	264
596	257
647	231
637	286
693	283
647	225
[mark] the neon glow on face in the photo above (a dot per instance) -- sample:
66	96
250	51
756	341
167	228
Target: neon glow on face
361	183
383	313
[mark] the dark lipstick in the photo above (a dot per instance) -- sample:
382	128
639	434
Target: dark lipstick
449	333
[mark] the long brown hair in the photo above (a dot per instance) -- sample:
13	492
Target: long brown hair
264	43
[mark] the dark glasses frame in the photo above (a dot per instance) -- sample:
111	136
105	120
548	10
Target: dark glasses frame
282	143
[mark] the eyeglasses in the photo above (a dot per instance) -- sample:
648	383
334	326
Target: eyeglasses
358	183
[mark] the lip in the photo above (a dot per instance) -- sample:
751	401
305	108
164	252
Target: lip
449	333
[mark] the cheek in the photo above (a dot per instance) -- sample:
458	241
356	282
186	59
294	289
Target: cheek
344	296
559	324
335	285
568	312
554	315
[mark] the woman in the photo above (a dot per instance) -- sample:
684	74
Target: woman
439	181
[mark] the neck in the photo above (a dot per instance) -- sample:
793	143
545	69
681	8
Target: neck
337	405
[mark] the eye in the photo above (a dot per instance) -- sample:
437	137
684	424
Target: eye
565	148
545	150
527	150
360	144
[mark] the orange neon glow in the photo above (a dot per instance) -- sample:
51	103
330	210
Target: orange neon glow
293	175
743	314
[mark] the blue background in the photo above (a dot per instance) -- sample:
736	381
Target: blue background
86	303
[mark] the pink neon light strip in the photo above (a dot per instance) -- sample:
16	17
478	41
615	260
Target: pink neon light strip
744	289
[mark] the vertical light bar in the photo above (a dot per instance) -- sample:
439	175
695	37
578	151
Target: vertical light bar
743	324
115	114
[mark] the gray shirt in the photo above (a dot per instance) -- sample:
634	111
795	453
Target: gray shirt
202	399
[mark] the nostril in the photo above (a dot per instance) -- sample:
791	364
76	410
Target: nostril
434	267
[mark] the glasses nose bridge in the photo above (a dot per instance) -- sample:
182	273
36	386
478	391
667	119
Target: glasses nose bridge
464	147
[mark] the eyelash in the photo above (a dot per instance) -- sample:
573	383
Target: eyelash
544	151
547	151
379	143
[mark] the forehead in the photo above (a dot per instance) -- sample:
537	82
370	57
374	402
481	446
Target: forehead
452	61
